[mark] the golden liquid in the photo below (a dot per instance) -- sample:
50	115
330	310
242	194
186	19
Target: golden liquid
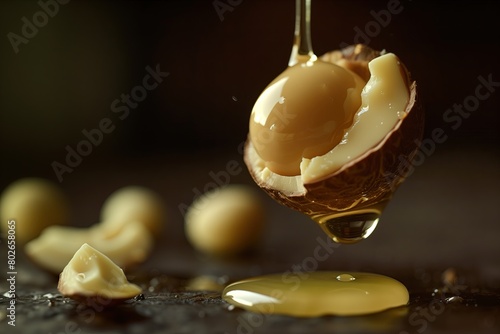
348	227
316	294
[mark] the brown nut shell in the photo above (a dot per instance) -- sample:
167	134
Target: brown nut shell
369	180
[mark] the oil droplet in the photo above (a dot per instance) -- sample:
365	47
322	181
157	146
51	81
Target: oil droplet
317	294
350	227
345	278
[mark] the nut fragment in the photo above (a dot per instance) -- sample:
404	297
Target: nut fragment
90	273
225	221
34	204
127	246
134	203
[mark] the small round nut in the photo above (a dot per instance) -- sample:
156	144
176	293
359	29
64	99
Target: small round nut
34	204
134	203
225	221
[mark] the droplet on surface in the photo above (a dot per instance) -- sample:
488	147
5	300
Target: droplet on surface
454	299
345	278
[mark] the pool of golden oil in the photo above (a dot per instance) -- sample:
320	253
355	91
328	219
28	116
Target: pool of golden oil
317	294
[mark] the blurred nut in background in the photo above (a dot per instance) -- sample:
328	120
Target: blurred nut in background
134	203
34	204
226	221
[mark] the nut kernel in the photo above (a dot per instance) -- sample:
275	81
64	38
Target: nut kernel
225	221
34	204
134	203
90	274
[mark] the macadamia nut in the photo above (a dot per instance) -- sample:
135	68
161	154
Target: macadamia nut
225	221
34	204
134	203
90	274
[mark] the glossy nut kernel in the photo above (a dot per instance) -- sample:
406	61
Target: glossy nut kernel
225	221
91	274
303	113
34	204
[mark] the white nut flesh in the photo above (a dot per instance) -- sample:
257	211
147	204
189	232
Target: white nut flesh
90	274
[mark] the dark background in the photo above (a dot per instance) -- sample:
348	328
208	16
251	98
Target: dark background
65	79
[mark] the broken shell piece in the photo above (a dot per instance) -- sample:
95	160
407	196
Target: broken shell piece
90	273
127	246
